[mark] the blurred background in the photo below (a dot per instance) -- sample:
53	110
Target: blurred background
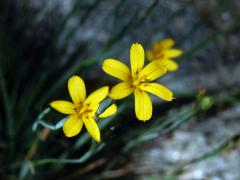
43	43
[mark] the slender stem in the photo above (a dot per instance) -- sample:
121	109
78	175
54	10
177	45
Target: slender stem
92	150
211	38
229	144
8	110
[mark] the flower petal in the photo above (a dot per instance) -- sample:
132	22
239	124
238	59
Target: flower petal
93	109
109	111
163	44
77	89
64	107
116	69
149	55
154	70
92	128
97	96
120	91
72	126
172	53
136	58
171	65
158	90
143	105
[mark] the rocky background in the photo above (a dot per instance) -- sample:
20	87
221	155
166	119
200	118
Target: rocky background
206	146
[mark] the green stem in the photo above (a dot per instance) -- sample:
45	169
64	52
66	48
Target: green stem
8	110
92	150
211	38
229	144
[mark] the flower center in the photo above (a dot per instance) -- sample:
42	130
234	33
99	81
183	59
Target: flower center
158	54
137	80
83	110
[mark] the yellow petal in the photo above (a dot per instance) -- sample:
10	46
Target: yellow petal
158	90
77	89
154	70
64	107
93	109
109	111
172	53
143	105
72	126
163	44
116	69
171	65
97	96
120	91
136	58
92	128
149	55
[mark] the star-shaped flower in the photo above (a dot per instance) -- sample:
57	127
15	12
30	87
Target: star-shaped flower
163	52
138	81
82	110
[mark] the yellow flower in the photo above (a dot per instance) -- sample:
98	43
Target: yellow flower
82	110
163	51
137	80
